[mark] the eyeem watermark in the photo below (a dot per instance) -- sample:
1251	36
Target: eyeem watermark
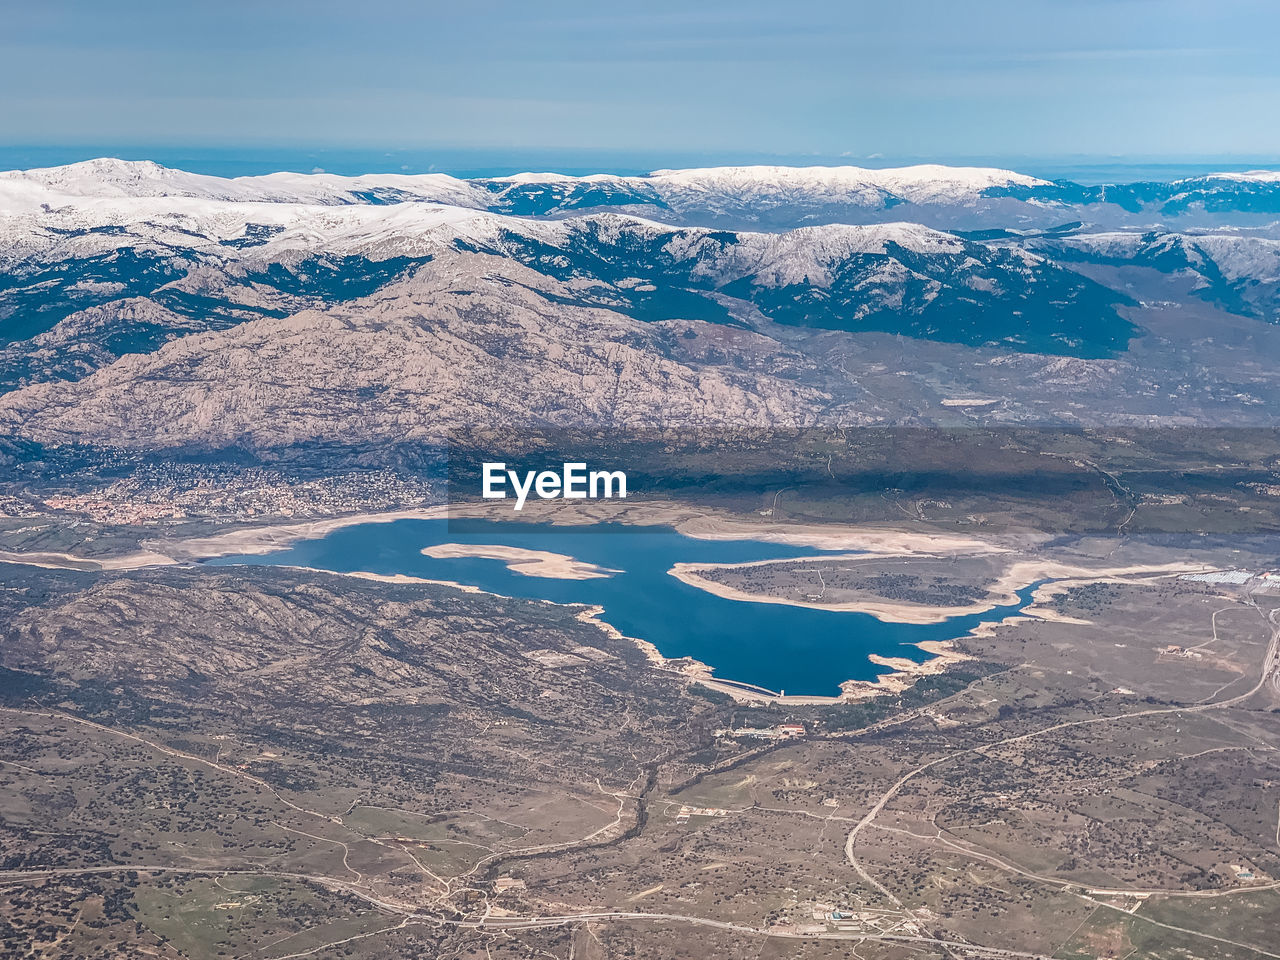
573	482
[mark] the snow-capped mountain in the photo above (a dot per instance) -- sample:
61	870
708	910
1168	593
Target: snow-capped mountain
729	186
1239	272
898	278
754	197
147	307
1215	198
137	179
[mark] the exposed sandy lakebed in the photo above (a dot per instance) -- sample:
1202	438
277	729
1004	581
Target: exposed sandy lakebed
529	563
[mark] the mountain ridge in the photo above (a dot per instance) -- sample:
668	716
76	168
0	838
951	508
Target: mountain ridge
767	196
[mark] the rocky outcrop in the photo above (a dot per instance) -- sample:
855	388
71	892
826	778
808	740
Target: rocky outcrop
440	351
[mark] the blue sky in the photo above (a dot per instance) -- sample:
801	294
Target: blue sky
898	79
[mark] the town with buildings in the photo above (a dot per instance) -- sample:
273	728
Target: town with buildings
165	493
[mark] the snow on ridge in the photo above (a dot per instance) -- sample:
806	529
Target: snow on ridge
873	237
142	179
926	183
196	223
1235	256
379	229
850	238
550	177
110	177
734	191
809	255
325	213
922	183
334	188
399	230
1241	176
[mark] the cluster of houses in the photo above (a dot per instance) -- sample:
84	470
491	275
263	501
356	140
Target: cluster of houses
1234	578
783	731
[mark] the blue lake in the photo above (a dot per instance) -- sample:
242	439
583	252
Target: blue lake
782	648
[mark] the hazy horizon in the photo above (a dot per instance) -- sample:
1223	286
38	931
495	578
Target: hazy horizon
1173	79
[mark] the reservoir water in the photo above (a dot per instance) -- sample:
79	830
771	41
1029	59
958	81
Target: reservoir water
782	648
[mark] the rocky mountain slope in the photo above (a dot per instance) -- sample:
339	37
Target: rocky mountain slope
411	363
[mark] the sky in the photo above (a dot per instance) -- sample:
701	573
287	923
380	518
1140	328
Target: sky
834	80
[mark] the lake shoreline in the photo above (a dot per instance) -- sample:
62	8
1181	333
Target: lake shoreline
698	523
870	543
1056	577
